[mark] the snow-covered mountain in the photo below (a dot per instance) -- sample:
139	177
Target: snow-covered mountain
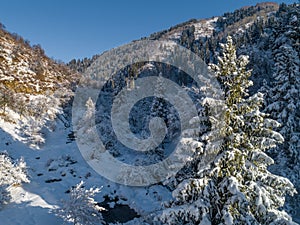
35	118
33	88
258	31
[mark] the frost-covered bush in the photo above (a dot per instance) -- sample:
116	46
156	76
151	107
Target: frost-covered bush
11	173
81	208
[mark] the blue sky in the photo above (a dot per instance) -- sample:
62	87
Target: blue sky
69	29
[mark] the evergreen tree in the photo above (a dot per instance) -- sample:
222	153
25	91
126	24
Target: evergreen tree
283	100
238	188
283	105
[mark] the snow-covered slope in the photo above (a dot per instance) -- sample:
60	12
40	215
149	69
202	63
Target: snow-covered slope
33	125
53	170
32	88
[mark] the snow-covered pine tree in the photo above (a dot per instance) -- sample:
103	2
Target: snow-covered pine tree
81	208
282	97
238	188
283	105
283	102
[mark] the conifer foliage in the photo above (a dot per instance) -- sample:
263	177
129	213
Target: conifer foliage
238	188
282	98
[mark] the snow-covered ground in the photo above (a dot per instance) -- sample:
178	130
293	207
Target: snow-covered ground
53	170
203	29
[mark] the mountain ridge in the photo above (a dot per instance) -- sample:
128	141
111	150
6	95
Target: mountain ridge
35	93
257	31
33	88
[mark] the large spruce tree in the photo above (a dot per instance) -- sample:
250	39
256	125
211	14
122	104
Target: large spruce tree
283	103
237	188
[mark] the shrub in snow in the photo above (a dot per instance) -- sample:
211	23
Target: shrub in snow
237	188
81	208
11	173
